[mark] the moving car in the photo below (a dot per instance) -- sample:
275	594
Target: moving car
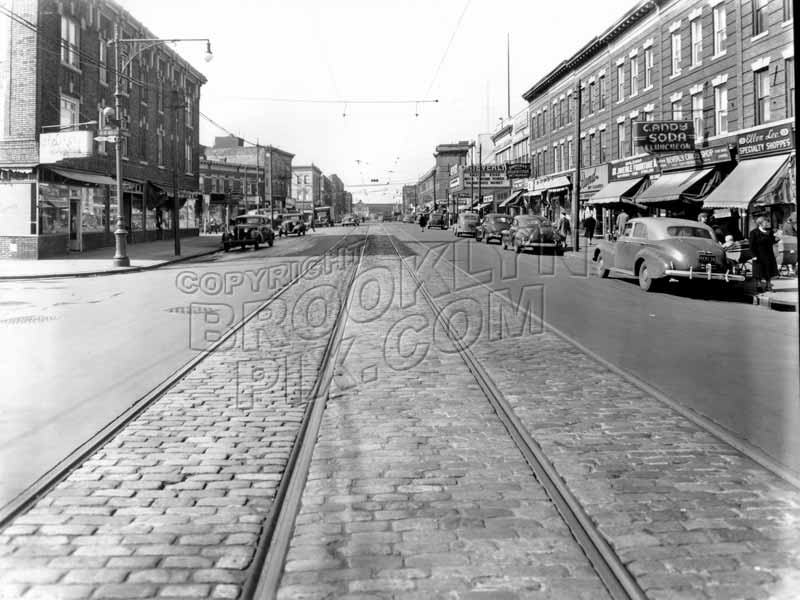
248	230
531	232
293	225
655	249
492	227
322	216
349	221
466	224
437	220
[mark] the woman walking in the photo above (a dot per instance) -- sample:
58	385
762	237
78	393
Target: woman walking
765	267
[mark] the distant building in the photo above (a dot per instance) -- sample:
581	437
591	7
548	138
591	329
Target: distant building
307	187
409	197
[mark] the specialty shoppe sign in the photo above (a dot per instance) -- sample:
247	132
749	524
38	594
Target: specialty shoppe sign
664	136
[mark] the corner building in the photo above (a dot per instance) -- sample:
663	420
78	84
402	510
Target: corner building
725	65
57	183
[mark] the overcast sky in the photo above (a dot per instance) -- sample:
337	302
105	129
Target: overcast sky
369	50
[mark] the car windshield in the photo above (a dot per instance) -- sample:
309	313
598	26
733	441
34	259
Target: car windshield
471	218
530	221
498	219
688	231
249	221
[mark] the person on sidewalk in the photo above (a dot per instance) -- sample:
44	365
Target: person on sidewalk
765	267
622	219
589	224
564	227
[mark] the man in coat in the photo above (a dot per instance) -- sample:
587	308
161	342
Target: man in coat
765	266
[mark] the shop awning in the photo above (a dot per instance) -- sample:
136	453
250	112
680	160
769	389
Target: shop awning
745	182
484	205
84	177
512	199
615	191
670	186
562	181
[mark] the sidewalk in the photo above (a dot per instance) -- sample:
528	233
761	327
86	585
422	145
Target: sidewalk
149	255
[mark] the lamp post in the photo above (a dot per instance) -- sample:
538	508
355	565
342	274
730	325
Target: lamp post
121	258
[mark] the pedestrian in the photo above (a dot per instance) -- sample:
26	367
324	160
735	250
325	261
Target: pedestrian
765	267
589	224
423	221
311	224
564	227
622	219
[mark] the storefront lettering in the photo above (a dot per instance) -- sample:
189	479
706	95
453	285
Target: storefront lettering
765	141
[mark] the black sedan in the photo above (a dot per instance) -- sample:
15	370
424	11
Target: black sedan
492	227
531	232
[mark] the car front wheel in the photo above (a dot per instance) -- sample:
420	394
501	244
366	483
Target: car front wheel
601	267
646	282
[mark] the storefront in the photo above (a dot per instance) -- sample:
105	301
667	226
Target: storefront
763	181
550	196
627	178
593	179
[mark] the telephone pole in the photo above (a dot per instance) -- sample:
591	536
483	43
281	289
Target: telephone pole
576	177
176	207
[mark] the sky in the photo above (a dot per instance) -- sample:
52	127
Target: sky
372	69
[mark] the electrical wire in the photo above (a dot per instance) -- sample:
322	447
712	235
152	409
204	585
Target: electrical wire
320	100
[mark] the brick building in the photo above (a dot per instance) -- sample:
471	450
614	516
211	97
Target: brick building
338	201
229	189
57	184
726	66
307	186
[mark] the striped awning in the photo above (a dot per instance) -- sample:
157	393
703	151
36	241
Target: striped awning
745	182
670	186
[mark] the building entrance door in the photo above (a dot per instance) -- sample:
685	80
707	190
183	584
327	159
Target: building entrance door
75	224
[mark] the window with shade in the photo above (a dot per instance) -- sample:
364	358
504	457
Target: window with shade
697	42
759	8
70	112
634	75
677	110
697	115
720	29
761	94
788	69
721	109
70	42
601	140
676	53
620	82
648	67
621	140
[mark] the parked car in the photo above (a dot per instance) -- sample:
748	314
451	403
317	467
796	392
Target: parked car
437	220
492	227
293	225
531	232
349	221
655	249
248	230
466	224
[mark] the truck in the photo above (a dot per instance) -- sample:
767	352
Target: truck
322	216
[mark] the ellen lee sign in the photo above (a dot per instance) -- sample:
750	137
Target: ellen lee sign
664	136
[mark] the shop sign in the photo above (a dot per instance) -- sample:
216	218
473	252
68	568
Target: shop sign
664	136
518	170
490	176
694	160
768	140
594	179
633	167
54	147
455	182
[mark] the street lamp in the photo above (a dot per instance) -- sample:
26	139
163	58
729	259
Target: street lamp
121	258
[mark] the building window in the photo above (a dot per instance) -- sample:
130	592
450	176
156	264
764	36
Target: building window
70	112
603	92
70	42
697	115
697	42
143	132
544	161
592	93
788	10
123	140
648	67
676	53
634	76
721	109
630	139
188	111
621	139
305	178
590	145
555	116
759	16
761	81
620	82
103	60
720	29
570	156
561	114
556	158
648	115
601	135
788	69
569	108
160	148
677	111
544	121
584	152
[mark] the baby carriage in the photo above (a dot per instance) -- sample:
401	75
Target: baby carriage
739	257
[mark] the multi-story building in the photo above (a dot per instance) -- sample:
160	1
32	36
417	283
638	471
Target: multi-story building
348	202
57	183
409	198
426	190
338	198
229	189
274	164
433	187
724	66
307	187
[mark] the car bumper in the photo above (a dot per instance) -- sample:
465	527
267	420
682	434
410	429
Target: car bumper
704	274
541	245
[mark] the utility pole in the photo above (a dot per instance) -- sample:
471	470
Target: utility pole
121	258
480	170
175	202
472	179
576	178
508	80
258	175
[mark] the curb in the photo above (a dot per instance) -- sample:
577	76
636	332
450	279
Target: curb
120	271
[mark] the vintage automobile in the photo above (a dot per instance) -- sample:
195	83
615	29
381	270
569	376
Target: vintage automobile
293	225
466	224
531	232
349	221
437	220
657	249
247	230
492	227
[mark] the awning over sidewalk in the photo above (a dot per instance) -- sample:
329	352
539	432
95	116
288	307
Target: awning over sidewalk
84	177
562	181
513	199
670	186
484	205
745	182
615	191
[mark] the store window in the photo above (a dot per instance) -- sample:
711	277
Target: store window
620	82
759	8
94	217
676	53
761	94
634	75
53	208
721	109
697	115
720	29
621	140
648	68
70	111
70	42
788	69
697	42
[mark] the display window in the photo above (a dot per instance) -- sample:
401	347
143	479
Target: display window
93	210
53	209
